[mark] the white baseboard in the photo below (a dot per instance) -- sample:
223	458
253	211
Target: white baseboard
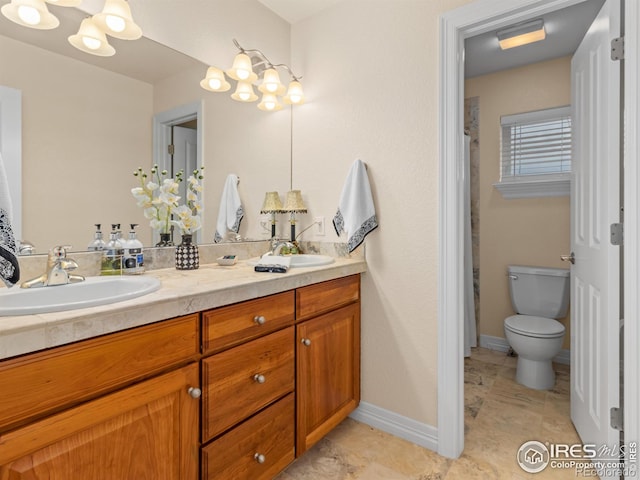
501	345
398	425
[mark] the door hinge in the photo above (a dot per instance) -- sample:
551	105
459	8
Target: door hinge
617	233
617	48
616	418
171	149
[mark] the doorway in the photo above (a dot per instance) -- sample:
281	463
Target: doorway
468	21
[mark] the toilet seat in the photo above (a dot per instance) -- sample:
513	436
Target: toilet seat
530	326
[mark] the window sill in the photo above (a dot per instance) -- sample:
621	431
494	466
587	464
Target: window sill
535	187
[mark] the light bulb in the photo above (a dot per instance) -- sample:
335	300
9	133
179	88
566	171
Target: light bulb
215	83
29	15
242	74
91	43
244	96
295	98
115	23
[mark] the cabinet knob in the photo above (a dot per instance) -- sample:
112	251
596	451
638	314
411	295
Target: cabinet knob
195	392
259	319
258	457
259	379
305	341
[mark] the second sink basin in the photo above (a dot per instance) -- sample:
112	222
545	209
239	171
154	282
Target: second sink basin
302	260
92	292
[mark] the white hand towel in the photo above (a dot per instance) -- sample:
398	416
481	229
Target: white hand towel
231	212
356	212
9	268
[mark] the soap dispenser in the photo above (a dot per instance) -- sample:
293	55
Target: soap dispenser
113	253
98	243
133	255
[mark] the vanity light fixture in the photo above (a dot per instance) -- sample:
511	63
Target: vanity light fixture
521	34
64	3
246	71
294	204
116	20
91	39
30	13
272	205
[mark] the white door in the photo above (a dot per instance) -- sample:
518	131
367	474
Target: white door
185	157
595	283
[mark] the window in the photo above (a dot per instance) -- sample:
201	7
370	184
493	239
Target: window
535	156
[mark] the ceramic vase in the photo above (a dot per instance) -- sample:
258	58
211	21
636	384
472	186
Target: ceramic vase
187	256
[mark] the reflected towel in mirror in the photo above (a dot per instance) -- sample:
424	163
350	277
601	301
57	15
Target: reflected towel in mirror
230	212
9	268
356	213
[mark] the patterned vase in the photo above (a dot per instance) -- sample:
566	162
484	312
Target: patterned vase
187	257
165	240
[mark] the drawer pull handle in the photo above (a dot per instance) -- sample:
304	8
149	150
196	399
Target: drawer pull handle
259	379
258	457
305	341
259	319
195	392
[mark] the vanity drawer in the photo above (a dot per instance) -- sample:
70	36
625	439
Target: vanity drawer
326	296
37	384
240	381
235	454
234	324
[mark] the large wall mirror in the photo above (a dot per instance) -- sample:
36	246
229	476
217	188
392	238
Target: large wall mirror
87	124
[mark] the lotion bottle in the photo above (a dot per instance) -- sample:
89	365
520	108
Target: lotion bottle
133	263
98	243
113	253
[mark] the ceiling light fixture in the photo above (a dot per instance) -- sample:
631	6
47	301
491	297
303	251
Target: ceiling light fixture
116	20
91	39
521	34
30	13
247	70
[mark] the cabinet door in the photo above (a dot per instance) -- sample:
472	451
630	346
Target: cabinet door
147	431
328	373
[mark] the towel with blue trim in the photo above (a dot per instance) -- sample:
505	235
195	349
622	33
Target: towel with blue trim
230	212
9	268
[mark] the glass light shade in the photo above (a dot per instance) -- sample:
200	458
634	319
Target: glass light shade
116	20
244	93
65	3
295	95
30	13
272	203
269	103
271	83
242	70
294	202
91	39
214	81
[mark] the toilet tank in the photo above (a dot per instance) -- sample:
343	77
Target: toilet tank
539	291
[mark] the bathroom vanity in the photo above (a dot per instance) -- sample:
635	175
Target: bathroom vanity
256	369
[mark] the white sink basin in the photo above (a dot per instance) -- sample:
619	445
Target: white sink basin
92	292
302	260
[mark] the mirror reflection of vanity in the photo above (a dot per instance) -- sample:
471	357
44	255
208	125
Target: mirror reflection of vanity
87	126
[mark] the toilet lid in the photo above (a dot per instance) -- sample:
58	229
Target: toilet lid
534	326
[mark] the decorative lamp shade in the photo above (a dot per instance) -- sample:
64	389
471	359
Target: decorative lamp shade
30	13
294	202
215	81
271	83
116	20
272	203
242	70
244	93
65	3
91	39
295	95
269	103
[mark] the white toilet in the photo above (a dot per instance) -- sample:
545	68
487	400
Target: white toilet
538	295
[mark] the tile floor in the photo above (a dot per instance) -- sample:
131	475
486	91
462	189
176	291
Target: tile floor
500	415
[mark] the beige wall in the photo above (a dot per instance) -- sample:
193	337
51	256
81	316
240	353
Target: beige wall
84	130
521	231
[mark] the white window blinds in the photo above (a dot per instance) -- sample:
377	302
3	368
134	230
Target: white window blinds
536	143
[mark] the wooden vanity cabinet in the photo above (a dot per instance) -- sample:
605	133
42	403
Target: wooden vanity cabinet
328	357
118	406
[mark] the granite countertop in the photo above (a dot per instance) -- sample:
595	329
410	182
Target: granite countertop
181	293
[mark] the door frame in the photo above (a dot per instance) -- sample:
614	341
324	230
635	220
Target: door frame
473	19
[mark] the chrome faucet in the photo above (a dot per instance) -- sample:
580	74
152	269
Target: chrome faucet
58	268
278	245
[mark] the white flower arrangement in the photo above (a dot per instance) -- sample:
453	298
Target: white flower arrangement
158	196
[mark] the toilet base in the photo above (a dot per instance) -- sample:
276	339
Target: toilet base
536	374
